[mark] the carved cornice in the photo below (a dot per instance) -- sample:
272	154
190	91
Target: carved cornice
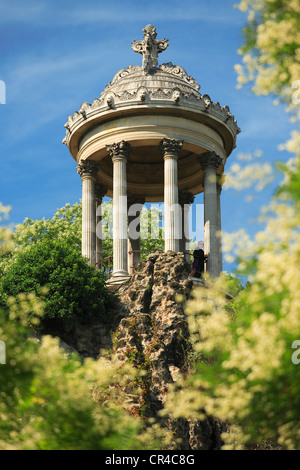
110	98
87	169
170	146
185	198
179	72
210	161
100	191
119	151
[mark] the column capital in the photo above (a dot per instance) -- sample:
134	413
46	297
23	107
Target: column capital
100	191
87	169
170	147
119	151
210	161
185	198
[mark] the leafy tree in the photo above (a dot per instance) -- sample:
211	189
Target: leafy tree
152	237
271	58
75	292
6	243
250	379
66	224
48	255
51	400
46	397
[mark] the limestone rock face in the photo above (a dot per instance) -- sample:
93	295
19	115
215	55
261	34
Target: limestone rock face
154	337
147	327
156	321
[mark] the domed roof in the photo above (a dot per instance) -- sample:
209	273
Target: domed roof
152	84
166	81
142	105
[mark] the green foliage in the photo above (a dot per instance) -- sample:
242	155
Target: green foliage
271	46
290	187
75	291
152	236
151	220
233	284
6	243
65	224
48	259
248	374
48	399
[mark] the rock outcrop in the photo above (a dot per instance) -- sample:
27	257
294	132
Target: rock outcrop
146	325
153	336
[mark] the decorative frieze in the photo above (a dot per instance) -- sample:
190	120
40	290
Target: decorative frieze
175	94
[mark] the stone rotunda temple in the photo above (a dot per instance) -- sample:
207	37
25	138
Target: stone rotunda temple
151	136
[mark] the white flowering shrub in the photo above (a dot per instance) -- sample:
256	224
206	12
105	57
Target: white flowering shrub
246	375
53	401
6	242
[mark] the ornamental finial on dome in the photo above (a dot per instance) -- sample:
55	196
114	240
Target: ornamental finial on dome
150	48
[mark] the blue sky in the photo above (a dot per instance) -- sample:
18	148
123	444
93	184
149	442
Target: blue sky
56	54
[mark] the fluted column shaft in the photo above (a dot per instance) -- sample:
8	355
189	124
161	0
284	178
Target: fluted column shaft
170	149
185	201
219	190
119	154
210	162
88	172
100	192
135	205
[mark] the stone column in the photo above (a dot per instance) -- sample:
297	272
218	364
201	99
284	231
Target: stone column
87	170
219	190
119	153
210	162
170	149
185	201
100	192
135	205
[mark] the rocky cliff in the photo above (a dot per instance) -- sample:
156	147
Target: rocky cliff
146	326
153	336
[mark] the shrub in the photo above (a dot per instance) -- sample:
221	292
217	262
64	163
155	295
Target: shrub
75	292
